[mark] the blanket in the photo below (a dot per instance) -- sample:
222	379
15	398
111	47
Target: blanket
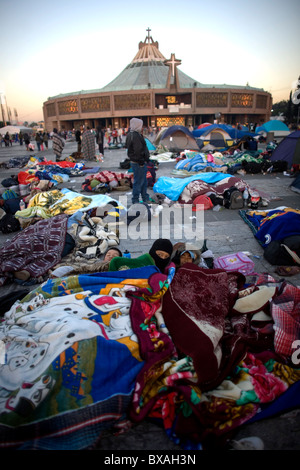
274	224
36	249
65	201
86	353
173	187
71	358
198	187
214	370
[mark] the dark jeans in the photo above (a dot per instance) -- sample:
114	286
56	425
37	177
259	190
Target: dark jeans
139	183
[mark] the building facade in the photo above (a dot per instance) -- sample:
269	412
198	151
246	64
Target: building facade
154	89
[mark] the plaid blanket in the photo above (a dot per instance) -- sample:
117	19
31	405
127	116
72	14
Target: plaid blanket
37	248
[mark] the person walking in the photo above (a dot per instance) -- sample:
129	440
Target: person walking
138	154
57	145
45	139
88	144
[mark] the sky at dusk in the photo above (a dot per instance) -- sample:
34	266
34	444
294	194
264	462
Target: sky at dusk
64	46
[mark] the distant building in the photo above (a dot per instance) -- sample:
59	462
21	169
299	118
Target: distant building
154	89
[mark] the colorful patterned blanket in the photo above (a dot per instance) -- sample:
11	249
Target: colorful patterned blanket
71	360
274	224
85	353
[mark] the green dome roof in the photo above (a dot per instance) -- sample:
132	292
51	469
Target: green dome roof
147	70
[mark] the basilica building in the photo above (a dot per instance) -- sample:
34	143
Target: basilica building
154	89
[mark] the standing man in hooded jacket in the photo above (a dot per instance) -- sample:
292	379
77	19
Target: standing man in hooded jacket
138	155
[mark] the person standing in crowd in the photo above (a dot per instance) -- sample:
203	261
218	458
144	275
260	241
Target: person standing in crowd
115	136
45	139
38	141
21	137
88	144
27	140
6	139
138	155
78	140
100	139
120	134
57	145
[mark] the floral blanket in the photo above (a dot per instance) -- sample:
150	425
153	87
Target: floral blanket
86	353
71	360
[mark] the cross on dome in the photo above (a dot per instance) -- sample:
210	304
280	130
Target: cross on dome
172	62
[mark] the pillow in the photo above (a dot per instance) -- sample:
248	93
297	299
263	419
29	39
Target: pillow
255	302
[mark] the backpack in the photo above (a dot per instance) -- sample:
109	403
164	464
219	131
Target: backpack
235	262
9	194
125	164
202	199
9	223
233	198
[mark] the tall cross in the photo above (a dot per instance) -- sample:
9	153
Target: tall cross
173	62
148	30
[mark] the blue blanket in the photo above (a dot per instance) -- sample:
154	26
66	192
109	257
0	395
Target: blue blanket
275	224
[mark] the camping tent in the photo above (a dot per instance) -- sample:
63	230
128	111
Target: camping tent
277	127
216	135
151	147
205	124
234	132
176	138
15	129
288	149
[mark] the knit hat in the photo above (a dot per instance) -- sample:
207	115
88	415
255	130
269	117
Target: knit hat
162	244
136	124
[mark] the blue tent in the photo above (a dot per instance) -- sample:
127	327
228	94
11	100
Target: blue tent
151	147
232	131
288	149
276	126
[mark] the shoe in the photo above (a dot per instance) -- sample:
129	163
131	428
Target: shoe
248	443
